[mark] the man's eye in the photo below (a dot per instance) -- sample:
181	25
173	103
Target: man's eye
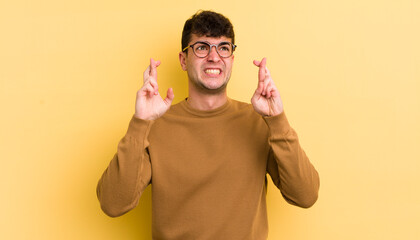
202	48
224	49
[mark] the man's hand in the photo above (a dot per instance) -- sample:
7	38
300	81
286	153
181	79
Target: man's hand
149	103
266	100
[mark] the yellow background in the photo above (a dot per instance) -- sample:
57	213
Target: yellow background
348	72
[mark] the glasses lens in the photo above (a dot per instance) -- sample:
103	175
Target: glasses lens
224	49
201	49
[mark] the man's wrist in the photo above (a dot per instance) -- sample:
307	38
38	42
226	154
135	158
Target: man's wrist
144	117
278	123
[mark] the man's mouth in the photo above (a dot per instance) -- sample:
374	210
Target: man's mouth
212	71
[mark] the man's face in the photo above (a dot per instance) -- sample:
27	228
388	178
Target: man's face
209	74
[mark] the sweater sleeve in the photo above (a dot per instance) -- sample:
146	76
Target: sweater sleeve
288	165
129	172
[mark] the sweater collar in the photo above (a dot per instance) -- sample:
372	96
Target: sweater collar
199	113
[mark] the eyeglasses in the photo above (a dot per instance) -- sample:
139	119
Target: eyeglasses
202	49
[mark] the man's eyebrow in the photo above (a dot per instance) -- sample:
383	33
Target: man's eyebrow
205	42
224	42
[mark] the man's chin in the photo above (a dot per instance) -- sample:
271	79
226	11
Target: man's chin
213	89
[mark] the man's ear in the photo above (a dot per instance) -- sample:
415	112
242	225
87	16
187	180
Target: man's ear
183	60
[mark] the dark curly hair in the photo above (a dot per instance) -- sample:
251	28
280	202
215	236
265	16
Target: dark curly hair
209	24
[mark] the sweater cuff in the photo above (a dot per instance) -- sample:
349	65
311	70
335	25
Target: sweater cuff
139	127
278	124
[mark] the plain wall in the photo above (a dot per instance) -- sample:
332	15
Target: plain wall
348	73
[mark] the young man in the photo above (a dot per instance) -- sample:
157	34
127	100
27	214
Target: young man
207	156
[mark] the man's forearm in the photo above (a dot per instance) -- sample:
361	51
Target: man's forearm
128	173
298	180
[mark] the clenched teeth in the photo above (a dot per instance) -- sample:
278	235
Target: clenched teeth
213	71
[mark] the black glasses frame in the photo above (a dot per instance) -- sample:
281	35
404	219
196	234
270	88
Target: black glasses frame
210	47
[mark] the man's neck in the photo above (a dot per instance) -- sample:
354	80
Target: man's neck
206	102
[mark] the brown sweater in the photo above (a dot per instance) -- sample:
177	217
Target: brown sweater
208	171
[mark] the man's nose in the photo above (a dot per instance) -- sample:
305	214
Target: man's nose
213	54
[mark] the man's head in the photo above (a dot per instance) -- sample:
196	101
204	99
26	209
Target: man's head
207	23
209	68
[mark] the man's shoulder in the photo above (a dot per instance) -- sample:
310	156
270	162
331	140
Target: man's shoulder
243	107
239	104
176	109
